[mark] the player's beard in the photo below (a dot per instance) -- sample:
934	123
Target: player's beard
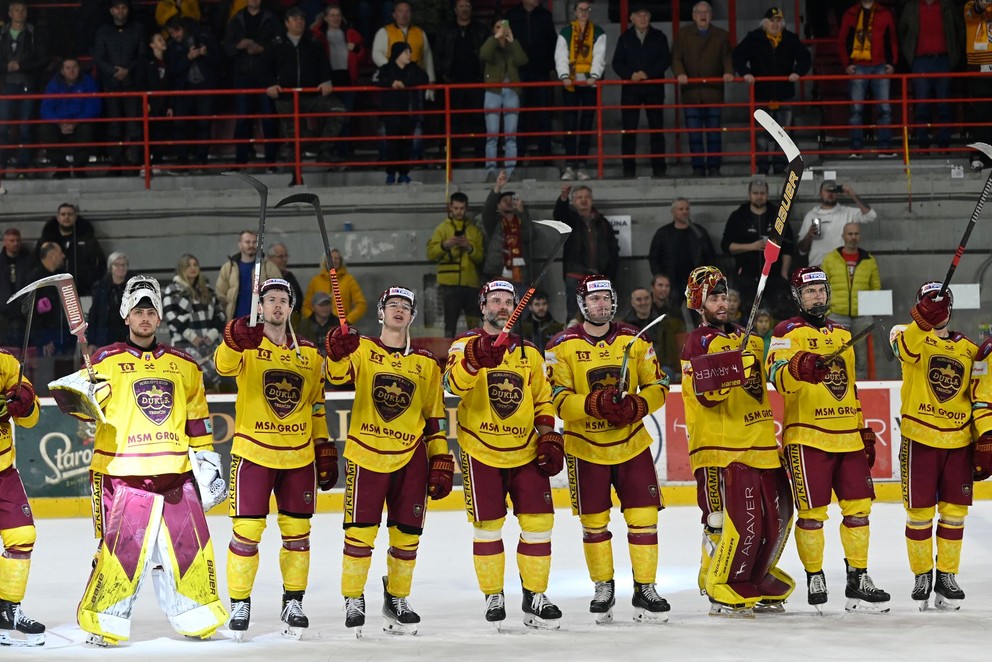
142	335
496	320
718	318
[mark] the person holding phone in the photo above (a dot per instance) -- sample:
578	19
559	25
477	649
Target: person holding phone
501	58
832	216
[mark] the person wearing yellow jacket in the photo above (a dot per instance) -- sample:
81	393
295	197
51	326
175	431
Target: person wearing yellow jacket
351	292
458	248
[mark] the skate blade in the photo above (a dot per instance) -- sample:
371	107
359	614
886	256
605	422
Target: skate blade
238	635
742	613
357	630
652	617
862	607
604	618
498	625
394	627
99	641
770	607
538	623
941	603
291	632
28	640
923	605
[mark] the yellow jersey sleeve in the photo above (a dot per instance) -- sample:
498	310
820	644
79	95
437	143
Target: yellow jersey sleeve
9	369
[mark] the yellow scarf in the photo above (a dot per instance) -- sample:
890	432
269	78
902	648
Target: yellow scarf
862	36
580	49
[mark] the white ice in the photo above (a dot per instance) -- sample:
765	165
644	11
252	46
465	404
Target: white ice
447	597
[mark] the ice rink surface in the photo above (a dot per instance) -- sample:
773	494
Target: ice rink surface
446	596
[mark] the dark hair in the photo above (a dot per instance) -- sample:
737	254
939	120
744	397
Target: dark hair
458	197
68	204
539	294
174	23
47	248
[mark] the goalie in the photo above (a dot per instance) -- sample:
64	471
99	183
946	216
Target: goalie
146	506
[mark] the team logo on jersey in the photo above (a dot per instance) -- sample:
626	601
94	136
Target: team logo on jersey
127	367
605	377
946	375
392	395
26	510
506	391
966	489
836	380
154	398
283	390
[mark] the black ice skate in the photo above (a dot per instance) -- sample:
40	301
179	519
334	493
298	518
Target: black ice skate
862	595
649	607
496	609
354	614
293	619
949	594
816	586
602	602
539	612
922	586
240	616
398	617
29	632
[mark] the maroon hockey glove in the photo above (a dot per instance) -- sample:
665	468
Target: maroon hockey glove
603	403
19	406
326	459
239	336
806	367
550	453
340	345
983	456
442	473
481	353
633	408
930	313
868	438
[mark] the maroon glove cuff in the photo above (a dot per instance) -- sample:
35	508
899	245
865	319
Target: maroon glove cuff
868	436
326	459
239	336
919	319
640	408
20	405
592	404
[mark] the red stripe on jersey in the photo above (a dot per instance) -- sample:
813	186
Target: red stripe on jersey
907	417
496	448
819	429
902	342
731	449
159	454
633	433
403	451
275	448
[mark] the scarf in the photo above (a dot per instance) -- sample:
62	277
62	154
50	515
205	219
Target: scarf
861	52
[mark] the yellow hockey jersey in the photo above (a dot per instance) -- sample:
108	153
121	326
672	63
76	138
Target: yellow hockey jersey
826	415
500	407
936	386
398	404
578	364
733	424
9	369
981	398
279	414
156	412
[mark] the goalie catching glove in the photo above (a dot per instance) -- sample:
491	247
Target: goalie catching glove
208	473
326	459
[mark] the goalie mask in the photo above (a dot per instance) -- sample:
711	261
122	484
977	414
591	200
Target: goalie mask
703	281
934	286
397	292
138	289
496	286
805	277
596	283
278	284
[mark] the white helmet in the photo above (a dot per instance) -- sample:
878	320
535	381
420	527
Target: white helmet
278	284
397	292
138	288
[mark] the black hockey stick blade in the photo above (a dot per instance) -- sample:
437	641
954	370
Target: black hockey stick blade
985	149
855	339
263	195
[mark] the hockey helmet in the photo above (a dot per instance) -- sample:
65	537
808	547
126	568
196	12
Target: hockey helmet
139	288
395	292
703	281
595	283
278	284
496	286
934	286
810	276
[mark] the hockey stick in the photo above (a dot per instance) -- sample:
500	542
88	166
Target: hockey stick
626	352
263	195
858	337
314	201
985	149
24	345
563	230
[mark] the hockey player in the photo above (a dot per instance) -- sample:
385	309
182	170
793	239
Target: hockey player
146	508
508	448
606	443
279	431
18	404
742	487
827	445
935	456
396	454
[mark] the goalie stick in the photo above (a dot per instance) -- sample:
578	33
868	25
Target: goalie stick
256	278
985	149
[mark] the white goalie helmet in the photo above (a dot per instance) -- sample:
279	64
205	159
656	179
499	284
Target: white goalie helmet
138	288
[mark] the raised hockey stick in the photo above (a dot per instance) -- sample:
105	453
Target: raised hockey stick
563	230
855	339
25	343
985	149
256	279
626	353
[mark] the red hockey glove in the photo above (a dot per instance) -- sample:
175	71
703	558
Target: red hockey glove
550	453
19	406
633	408
983	456
239	336
868	438
442	473
603	404
930	313
340	345
481	353
806	367
326	459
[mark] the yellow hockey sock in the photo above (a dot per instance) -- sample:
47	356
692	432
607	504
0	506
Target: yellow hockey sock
854	539
294	557
809	544
13	577
400	561
949	539
357	559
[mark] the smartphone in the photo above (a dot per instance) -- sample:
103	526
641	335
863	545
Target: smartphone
505	23
837	189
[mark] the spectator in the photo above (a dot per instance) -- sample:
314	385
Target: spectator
642	54
278	255
851	269
702	50
639	314
105	324
194	64
679	247
459	43
580	58
247	34
669	337
370	15
16	262
165	10
764	324
82	253
400	30
118	51
978	24
401	77
734	313
23	58
769	51
538	325
508	225
930	33
745	236
352	298
457	247
156	77
49	329
67	117
819	238
345	50
234	282
867	45
591	248
501	58
321	320
195	316
534	29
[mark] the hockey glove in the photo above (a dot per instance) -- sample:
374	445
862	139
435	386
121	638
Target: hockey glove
20	405
481	353
550	453
984	350
807	367
326	459
340	345
930	313
604	404
633	408
4	411
239	335
442	473
868	438
983	456
207	471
